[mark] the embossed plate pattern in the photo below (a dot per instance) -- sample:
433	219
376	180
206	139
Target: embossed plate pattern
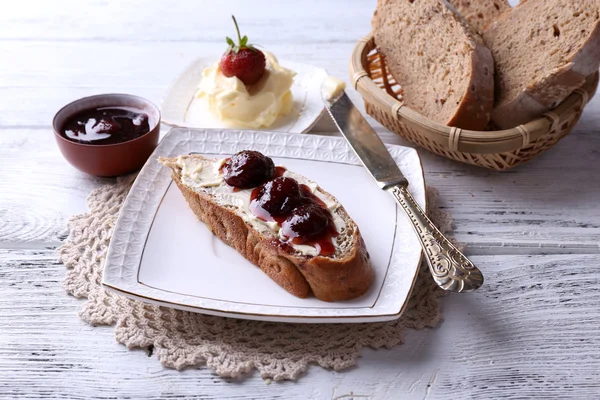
161	254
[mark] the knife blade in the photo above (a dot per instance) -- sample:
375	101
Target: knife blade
364	141
451	270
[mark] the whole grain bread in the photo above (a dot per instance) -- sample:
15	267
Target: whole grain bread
346	275
441	64
480	13
543	50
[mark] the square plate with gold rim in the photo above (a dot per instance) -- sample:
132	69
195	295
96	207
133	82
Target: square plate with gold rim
160	253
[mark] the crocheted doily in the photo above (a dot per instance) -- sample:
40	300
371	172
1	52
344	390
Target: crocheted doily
230	347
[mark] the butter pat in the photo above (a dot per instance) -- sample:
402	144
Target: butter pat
256	106
196	174
306	250
332	87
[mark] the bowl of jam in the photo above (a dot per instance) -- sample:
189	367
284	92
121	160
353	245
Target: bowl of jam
107	134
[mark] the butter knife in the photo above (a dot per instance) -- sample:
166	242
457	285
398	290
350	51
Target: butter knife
451	270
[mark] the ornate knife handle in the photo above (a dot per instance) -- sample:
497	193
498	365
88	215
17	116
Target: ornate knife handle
451	270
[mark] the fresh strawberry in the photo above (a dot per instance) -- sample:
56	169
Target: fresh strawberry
242	60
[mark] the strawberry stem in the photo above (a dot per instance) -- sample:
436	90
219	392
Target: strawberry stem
238	31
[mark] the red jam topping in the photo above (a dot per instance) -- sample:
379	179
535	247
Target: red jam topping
302	216
313	225
106	125
247	169
279	171
276	198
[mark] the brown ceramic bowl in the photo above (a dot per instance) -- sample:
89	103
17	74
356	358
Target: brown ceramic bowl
108	159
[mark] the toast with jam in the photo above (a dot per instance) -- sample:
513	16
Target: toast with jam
287	225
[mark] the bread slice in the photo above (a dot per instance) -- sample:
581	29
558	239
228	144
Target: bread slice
345	275
480	13
543	50
441	64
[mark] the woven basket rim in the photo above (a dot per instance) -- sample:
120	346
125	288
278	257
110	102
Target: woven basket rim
362	82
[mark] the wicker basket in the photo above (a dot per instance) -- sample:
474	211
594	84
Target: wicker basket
499	150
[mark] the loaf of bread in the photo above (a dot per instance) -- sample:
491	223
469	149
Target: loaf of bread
480	13
441	64
543	50
344	275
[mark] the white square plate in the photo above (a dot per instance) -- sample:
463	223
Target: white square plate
160	252
180	108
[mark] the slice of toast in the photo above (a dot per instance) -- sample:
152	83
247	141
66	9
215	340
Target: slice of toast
543	50
345	275
440	62
480	13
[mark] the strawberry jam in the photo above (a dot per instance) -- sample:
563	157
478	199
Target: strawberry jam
106	125
279	171
247	169
278	197
313	225
302	216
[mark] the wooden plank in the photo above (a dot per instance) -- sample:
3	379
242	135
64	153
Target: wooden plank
40	191
531	330
546	203
136	21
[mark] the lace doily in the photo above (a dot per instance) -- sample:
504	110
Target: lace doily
230	347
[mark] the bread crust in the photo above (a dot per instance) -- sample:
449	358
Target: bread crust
327	278
476	106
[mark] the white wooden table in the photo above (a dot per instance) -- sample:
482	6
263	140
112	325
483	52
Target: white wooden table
533	329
